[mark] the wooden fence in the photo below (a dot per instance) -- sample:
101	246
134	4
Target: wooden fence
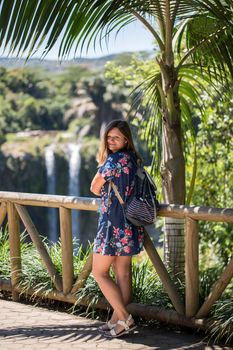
188	313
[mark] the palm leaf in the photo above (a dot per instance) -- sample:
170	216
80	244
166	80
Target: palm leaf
30	23
207	34
201	77
147	104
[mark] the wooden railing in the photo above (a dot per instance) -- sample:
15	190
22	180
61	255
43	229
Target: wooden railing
188	312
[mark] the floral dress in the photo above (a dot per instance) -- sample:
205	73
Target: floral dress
116	236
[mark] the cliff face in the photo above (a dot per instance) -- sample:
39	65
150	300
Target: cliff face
24	168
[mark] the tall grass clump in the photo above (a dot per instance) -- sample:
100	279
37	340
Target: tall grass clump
34	274
4	254
147	287
40	280
221	314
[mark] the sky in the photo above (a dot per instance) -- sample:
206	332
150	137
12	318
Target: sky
134	37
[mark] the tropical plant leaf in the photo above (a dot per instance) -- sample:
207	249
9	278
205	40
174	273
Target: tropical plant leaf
206	36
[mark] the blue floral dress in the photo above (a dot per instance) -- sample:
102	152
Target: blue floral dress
115	235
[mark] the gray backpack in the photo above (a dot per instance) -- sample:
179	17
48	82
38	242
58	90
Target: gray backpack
140	208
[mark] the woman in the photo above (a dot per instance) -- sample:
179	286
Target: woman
117	239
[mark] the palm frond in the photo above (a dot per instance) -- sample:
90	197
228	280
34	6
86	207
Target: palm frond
201	78
26	25
147	104
206	36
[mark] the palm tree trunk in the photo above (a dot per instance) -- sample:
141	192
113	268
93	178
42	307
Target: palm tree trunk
173	163
173	177
173	172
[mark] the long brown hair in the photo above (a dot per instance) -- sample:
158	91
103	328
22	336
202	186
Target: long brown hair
124	128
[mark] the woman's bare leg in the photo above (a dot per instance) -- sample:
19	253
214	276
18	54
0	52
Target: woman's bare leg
123	271
122	267
100	270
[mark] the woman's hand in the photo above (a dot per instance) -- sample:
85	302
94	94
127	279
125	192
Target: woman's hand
96	184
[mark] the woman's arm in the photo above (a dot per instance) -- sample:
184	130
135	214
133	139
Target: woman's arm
96	184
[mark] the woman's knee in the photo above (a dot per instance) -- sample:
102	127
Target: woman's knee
123	276
101	266
98	273
123	271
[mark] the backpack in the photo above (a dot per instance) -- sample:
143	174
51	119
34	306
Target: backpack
140	208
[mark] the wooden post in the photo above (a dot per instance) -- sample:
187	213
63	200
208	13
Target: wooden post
191	268
163	274
217	290
39	245
2	212
81	280
14	241
67	249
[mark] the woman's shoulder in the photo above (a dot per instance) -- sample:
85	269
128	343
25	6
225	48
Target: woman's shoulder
121	158
127	159
127	155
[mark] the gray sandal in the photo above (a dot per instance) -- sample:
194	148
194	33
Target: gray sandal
106	327
124	323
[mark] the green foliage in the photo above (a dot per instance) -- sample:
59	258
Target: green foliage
223	321
147	287
28	81
4	254
214	179
215	154
208	276
34	273
221	313
33	99
72	75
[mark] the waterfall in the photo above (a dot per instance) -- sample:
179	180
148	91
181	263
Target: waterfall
51	189
74	185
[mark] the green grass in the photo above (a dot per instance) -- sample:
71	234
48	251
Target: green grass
222	312
222	315
147	287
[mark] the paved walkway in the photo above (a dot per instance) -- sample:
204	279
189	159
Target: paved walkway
25	327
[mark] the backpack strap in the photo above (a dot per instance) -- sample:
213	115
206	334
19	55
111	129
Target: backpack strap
109	198
111	184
